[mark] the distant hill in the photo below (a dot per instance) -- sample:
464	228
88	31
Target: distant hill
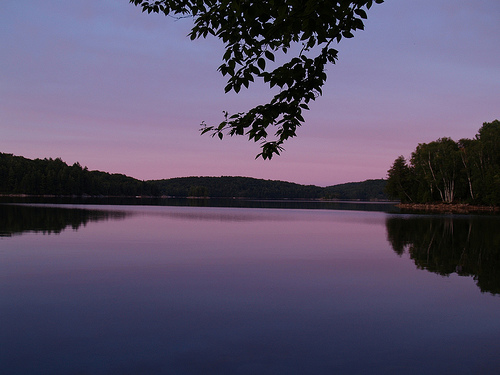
19	175
241	187
366	190
247	187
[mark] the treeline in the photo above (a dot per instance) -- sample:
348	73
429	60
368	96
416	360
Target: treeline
241	187
365	190
467	171
19	175
247	187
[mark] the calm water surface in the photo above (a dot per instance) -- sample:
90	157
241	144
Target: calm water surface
214	290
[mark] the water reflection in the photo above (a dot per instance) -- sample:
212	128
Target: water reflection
186	290
18	219
466	245
52	218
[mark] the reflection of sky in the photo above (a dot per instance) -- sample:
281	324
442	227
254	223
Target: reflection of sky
101	83
307	291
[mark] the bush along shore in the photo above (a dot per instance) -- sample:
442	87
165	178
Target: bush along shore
458	208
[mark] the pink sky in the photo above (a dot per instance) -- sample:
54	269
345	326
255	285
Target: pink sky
99	82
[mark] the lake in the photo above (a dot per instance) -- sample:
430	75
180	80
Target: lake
155	289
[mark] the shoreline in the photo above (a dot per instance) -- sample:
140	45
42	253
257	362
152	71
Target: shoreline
447	208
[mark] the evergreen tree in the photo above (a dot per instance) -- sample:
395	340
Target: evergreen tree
400	181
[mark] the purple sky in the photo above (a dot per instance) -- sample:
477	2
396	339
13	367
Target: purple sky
99	82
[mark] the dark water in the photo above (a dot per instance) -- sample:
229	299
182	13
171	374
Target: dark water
208	202
218	290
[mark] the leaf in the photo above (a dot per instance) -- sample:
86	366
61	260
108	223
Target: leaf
347	34
261	63
361	13
269	55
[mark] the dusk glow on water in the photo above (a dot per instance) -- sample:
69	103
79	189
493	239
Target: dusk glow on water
187	290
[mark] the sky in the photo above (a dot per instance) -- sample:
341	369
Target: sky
101	83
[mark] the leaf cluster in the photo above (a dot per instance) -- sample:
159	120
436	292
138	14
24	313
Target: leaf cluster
253	33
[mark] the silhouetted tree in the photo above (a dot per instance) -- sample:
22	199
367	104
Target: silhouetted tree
400	181
253	33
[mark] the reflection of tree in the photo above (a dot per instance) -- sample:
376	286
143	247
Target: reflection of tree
17	219
444	245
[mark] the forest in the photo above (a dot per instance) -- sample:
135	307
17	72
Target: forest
365	190
445	171
241	187
247	187
19	175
